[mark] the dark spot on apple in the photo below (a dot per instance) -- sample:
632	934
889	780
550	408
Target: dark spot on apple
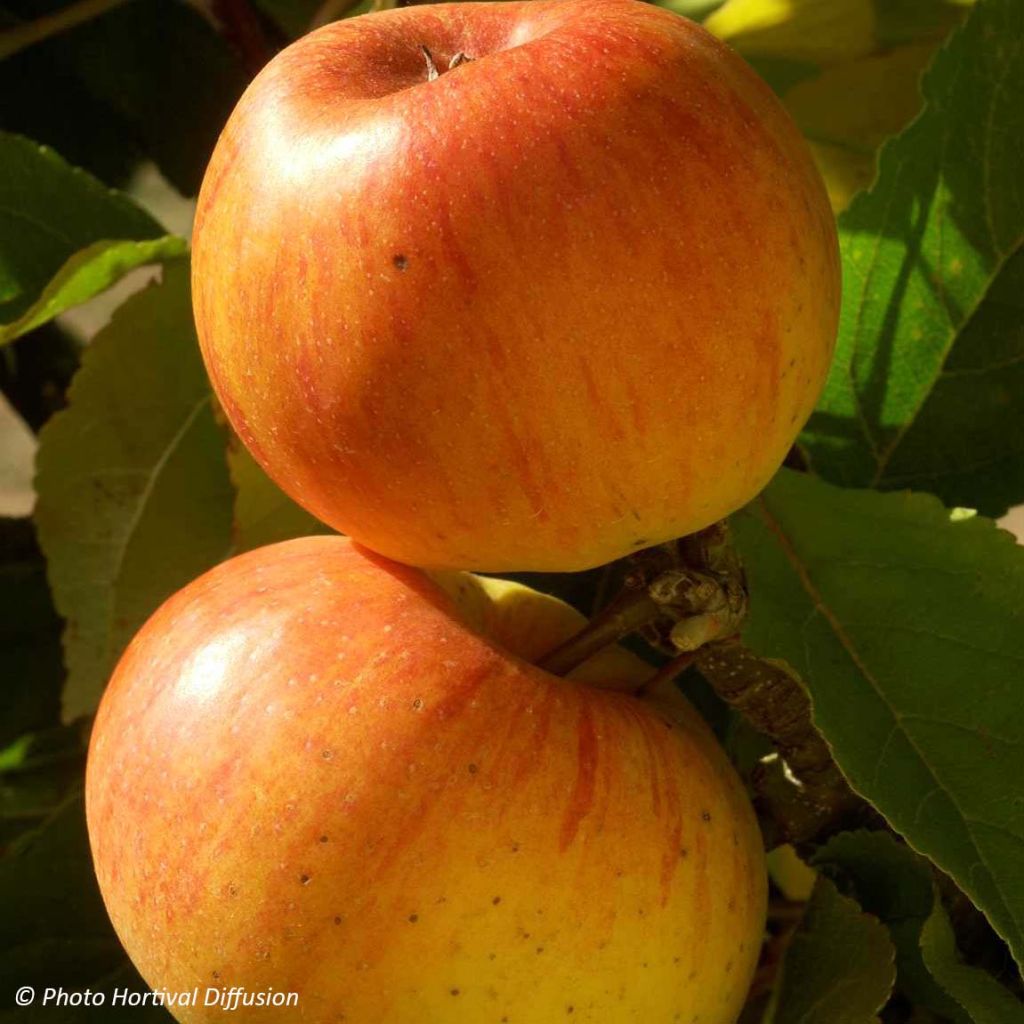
731	905
215	975
232	890
677	959
640	542
492	956
728	966
323	839
455	991
417	704
515	847
327	755
401	262
413	918
496	900
305	879
472	769
337	920
569	1009
705	816
540	949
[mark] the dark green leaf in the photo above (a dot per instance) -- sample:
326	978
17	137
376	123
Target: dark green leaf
978	992
895	884
54	929
49	212
906	627
967	443
921	251
134	495
838	968
158	71
37	772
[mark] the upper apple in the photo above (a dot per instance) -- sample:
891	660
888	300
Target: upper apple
570	298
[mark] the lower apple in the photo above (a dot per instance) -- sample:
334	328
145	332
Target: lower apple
323	773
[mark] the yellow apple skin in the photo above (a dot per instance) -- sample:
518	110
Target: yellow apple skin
568	300
310	772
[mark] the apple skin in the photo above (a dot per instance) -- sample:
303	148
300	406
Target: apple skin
568	300
310	771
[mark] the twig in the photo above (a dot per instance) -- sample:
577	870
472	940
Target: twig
13	40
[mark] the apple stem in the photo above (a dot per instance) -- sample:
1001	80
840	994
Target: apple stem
629	612
666	675
432	72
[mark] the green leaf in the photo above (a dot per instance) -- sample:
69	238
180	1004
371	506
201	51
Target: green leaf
903	21
978	992
89	272
966	444
263	513
49	213
847	110
921	251
695	10
895	884
134	494
805	30
838	968
905	626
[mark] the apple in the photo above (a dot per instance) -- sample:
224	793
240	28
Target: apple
571	297
321	772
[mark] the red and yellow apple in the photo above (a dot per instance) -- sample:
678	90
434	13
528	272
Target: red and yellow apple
566	299
322	772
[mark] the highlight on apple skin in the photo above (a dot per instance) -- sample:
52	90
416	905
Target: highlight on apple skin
319	771
572	297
